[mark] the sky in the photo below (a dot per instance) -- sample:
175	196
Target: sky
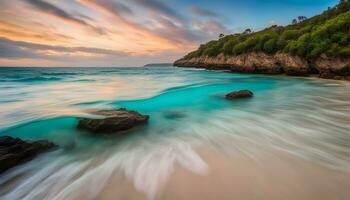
124	33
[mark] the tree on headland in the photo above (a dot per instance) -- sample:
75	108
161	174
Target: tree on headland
221	35
299	19
302	18
247	31
343	5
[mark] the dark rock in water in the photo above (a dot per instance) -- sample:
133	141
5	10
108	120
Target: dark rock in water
14	151
114	121
239	94
174	115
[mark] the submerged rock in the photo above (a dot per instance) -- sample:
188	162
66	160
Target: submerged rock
114	121
14	151
174	115
239	94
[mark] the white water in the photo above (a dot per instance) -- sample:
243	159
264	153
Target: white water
305	118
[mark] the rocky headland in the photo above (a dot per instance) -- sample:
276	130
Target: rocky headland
279	63
319	45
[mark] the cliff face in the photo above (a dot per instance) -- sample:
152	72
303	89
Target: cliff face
279	63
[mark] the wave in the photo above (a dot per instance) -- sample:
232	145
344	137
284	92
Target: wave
92	103
39	78
61	73
31	79
148	159
181	87
306	119
84	80
147	164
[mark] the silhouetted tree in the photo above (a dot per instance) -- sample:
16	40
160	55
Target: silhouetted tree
301	18
295	21
247	31
221	35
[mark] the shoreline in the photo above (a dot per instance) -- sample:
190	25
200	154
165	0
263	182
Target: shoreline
275	64
269	175
310	76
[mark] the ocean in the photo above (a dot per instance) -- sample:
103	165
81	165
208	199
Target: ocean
290	141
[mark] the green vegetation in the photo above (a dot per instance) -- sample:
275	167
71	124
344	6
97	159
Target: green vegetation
328	33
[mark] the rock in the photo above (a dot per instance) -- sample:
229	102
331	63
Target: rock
292	65
174	115
331	67
244	63
114	121
239	94
14	151
279	63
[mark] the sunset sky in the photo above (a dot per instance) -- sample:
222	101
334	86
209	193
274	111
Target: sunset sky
90	33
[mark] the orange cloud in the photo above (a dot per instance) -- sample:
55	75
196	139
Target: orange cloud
82	30
31	34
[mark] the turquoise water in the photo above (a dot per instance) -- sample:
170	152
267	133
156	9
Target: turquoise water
304	116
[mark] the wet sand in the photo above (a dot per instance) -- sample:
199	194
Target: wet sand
270	176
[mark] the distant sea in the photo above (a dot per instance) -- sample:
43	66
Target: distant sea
304	118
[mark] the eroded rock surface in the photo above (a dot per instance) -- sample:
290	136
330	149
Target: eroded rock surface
112	121
279	63
14	151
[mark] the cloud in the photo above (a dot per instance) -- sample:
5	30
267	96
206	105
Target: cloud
8	29
158	19
16	53
203	12
60	13
211	28
115	7
160	8
115	10
10	50
18	49
161	22
168	29
137	30
171	24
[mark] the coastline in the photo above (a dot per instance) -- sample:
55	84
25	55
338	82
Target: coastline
280	63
